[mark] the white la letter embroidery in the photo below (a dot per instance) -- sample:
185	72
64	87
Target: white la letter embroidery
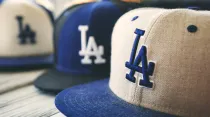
91	49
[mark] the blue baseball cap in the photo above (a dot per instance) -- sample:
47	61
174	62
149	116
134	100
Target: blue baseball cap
82	45
159	68
25	42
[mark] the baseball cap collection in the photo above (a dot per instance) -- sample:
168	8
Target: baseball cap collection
113	58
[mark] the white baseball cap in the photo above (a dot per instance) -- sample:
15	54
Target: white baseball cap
26	34
176	42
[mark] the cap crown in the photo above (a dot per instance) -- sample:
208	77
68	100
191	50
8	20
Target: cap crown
25	28
176	45
83	35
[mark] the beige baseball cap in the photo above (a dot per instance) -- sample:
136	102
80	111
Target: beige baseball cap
159	68
168	70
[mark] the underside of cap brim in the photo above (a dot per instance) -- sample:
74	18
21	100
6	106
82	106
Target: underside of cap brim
56	81
96	100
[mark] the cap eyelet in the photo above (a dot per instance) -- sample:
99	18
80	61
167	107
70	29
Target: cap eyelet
134	18
192	28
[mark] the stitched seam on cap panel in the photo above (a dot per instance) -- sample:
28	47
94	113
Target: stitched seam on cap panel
164	13
133	100
168	109
149	28
94	7
145	38
147	105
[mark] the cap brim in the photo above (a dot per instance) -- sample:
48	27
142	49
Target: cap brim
97	100
26	63
55	81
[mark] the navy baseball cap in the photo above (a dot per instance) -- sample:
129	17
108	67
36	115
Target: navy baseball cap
82	45
160	67
26	41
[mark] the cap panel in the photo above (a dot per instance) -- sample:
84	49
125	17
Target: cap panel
79	35
48	7
102	21
69	40
121	49
59	25
37	35
65	5
46	3
182	65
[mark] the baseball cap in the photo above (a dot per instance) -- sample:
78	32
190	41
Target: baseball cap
160	72
83	42
26	35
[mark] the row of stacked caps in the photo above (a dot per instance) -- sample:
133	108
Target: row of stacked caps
82	46
30	26
159	64
83	41
33	41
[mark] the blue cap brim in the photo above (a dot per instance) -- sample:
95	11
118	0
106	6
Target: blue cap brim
26	61
97	100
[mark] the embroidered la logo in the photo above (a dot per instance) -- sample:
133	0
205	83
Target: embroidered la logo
25	32
133	64
91	49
